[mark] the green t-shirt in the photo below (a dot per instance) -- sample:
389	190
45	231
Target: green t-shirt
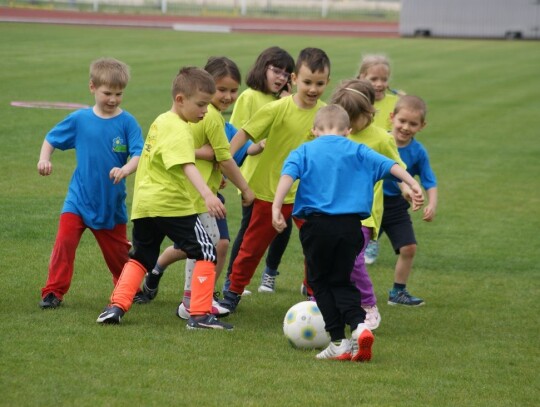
160	182
285	126
210	130
247	104
384	108
382	142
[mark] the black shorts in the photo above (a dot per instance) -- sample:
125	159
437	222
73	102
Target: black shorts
397	223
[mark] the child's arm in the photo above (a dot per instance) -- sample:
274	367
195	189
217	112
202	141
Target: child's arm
232	172
256	148
44	164
206	152
239	139
283	187
213	204
431	207
118	174
417	196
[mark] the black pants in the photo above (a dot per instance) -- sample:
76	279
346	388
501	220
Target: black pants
331	244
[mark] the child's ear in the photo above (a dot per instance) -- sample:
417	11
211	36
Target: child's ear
179	98
293	78
91	86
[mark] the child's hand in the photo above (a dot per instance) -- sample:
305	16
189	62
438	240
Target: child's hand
286	91
215	207
429	213
247	197
223	183
278	221
118	174
406	192
44	167
417	197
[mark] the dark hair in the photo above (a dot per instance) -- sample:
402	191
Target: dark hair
275	56
191	79
314	58
220	67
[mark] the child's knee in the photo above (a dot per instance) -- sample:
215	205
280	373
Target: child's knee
408	251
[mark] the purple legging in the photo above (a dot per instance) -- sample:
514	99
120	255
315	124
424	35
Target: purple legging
360	276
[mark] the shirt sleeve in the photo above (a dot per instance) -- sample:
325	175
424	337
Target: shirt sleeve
63	135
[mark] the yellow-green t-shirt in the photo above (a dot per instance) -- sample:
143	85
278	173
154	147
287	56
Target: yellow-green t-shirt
384	108
384	143
160	183
210	130
247	104
285	126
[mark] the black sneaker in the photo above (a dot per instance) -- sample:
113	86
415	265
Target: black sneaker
146	294
207	321
110	315
403	298
230	300
50	301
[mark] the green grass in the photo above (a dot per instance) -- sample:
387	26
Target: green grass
475	343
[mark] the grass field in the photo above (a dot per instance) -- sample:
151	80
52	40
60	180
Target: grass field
475	343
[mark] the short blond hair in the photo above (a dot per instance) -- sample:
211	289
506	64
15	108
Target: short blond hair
332	116
109	72
372	60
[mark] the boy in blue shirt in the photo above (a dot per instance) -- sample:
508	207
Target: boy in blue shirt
104	137
331	236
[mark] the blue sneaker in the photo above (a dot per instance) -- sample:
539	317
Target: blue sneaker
403	298
207	321
230	300
268	281
50	301
372	252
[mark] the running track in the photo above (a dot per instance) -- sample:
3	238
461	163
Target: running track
233	24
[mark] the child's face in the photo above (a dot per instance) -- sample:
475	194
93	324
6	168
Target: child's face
192	109
276	78
378	76
226	93
309	86
406	123
108	99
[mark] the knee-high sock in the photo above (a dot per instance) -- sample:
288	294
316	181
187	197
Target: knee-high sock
129	282
202	288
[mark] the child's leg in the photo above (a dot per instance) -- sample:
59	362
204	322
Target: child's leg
404	264
273	259
246	217
360	276
257	238
70	230
222	246
115	248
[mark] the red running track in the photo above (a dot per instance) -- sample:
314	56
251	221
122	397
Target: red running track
216	24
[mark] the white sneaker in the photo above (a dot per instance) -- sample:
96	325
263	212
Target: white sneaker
246	292
361	343
373	318
217	310
335	352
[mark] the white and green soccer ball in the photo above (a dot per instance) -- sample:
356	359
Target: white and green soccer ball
303	326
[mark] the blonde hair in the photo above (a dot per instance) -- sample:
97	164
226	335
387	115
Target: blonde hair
371	60
331	116
356	96
413	103
191	79
110	72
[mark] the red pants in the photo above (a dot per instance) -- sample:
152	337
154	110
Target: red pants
112	242
259	234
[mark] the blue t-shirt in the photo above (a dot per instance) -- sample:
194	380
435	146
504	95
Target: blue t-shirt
241	154
336	176
417	160
100	144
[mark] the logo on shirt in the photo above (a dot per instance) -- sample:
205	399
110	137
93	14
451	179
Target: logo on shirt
119	146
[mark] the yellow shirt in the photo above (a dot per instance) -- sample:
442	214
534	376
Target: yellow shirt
247	104
210	130
285	126
384	143
384	108
160	183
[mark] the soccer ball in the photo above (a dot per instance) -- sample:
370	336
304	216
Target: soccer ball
304	326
